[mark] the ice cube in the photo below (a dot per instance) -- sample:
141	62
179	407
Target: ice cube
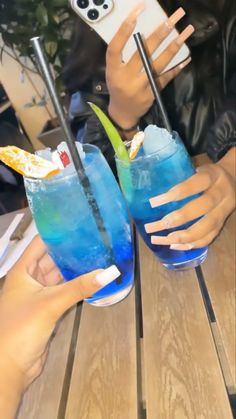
80	149
62	157
57	160
45	153
156	139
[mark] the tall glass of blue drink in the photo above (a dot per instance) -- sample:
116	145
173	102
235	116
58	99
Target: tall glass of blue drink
152	174
66	224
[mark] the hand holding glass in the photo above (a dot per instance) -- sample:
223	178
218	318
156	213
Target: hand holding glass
149	175
65	222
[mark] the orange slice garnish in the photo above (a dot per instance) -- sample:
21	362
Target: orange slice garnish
136	143
27	164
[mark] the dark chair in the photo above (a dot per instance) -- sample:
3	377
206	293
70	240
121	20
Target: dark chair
12	191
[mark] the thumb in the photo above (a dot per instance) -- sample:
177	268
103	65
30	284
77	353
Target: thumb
62	297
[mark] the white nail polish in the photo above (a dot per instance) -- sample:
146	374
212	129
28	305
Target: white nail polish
108	275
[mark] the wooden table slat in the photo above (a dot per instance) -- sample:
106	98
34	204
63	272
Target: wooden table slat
219	275
183	379
180	364
104	377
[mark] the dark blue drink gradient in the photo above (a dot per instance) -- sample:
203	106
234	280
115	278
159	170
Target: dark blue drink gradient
152	175
66	224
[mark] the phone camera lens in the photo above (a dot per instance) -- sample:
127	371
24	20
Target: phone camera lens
98	2
93	14
82	4
105	6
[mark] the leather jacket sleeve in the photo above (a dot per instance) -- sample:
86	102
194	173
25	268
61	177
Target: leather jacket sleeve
222	135
202	99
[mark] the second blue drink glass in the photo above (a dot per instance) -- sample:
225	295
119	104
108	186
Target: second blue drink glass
148	176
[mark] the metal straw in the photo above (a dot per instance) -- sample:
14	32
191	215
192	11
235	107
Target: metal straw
151	78
49	81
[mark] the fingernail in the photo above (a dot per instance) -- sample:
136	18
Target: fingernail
157	200
137	10
175	17
161	240
185	34
185	63
108	275
176	246
148	228
158	225
188	246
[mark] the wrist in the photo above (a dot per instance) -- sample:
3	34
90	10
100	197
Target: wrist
228	162
123	122
11	388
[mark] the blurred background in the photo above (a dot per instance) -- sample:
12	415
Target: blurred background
27	118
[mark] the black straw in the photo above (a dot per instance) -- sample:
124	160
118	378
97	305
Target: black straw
148	68
48	79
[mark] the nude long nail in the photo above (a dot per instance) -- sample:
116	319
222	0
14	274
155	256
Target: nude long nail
138	9
161	240
175	17
132	18
185	34
185	63
157	200
148	228
181	246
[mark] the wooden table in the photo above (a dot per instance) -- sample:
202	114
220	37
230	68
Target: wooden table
165	352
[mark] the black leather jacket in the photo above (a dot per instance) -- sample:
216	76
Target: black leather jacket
201	101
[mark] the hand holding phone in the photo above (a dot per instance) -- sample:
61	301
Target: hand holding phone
129	89
106	16
130	95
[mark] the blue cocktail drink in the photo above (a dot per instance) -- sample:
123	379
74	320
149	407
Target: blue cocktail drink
66	224
153	173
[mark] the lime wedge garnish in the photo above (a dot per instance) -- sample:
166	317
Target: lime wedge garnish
112	133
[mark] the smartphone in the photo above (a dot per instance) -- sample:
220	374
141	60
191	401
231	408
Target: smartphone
106	16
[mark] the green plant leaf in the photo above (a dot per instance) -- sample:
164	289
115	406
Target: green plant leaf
51	48
59	3
112	133
60	88
42	14
21	20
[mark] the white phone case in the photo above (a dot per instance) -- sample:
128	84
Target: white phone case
106	16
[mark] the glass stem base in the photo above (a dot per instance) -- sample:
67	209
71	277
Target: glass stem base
112	299
189	264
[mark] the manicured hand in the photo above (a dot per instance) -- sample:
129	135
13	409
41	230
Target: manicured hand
214	206
31	302
129	89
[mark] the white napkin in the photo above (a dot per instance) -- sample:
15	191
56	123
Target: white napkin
17	248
